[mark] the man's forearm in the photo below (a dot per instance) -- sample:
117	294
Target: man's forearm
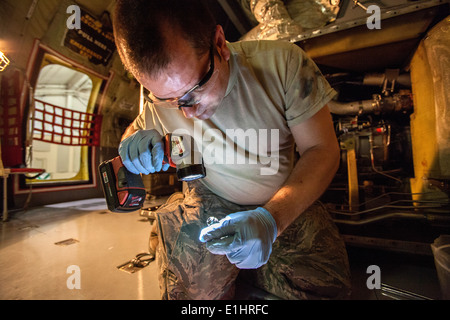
311	176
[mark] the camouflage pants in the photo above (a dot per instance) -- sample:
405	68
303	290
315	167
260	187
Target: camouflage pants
308	261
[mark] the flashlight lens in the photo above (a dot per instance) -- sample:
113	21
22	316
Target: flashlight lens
192	177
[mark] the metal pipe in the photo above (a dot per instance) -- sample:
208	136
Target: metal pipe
372	160
378	79
378	104
352	108
403	215
430	204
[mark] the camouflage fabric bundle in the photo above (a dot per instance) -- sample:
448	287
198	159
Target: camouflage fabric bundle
308	261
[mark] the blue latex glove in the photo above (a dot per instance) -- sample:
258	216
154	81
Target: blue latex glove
143	152
245	237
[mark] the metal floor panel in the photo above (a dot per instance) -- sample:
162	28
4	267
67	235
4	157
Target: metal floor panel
33	267
38	247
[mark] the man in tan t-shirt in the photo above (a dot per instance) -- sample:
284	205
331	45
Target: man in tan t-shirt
247	105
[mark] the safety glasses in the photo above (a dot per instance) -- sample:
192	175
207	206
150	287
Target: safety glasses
188	99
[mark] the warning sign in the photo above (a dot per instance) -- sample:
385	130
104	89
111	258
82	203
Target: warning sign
92	39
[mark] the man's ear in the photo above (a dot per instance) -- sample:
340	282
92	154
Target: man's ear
221	43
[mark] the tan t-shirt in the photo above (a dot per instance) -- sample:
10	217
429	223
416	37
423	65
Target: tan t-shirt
247	145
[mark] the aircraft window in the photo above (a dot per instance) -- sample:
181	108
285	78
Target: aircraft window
60	122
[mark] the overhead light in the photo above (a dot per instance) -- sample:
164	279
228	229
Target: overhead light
3	61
